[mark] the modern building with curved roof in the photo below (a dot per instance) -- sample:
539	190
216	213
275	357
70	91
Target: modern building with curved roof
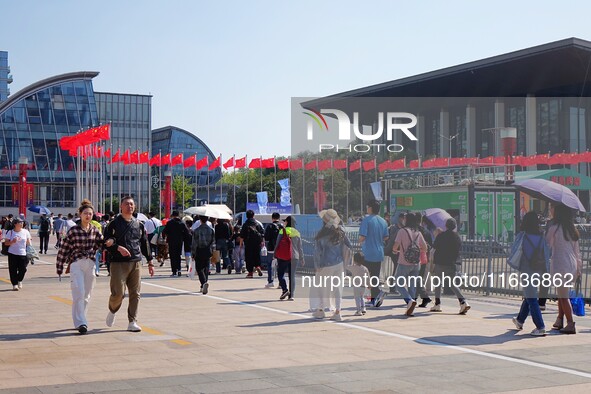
32	121
174	140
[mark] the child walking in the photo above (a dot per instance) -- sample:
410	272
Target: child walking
359	278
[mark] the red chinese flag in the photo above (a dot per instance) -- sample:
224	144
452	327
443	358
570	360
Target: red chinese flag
125	157
240	163
104	132
216	163
369	165
107	153
176	160
296	164
542	159
585	157
355	165
134	158
229	163
500	160
311	165
324	165
116	157
398	164
486	160
165	159
518	160
339	164
255	163
202	163
382	167
268	163
283	164
144	157
413	164
156	160
190	161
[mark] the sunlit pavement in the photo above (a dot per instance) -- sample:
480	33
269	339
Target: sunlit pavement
241	337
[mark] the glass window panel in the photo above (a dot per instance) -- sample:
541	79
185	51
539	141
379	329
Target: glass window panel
68	89
80	88
19	115
46	116
73	119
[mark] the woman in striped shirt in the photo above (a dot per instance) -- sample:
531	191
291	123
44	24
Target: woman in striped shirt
77	254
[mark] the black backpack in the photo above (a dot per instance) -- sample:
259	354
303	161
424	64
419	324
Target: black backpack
44	225
253	237
412	255
271	233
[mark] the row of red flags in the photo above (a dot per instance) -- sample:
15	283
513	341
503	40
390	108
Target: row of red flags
295	164
85	138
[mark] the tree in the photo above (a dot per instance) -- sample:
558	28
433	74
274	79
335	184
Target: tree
180	184
107	204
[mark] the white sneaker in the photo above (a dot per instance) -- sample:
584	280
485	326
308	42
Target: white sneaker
464	308
15	288
318	314
410	307
133	327
336	316
436	308
538	332
110	319
358	313
517	323
20	285
270	285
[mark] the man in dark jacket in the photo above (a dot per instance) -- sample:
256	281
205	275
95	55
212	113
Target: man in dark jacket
175	232
271	233
251	236
44	227
126	241
201	251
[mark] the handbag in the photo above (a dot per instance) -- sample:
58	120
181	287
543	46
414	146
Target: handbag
576	299
514	259
283	249
5	247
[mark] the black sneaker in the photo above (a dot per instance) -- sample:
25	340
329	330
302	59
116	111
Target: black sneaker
205	288
425	302
229	269
258	269
83	329
284	295
179	273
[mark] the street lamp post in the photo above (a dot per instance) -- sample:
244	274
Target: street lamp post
450	139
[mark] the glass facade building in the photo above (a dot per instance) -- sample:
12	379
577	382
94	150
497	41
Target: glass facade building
174	140
5	77
130	118
32	121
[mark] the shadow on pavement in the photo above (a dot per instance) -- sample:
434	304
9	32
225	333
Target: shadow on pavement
474	340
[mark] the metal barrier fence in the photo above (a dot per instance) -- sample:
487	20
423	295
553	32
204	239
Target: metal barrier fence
483	264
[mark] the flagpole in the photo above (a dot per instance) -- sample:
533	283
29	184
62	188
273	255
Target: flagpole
183	184
119	178
303	187
361	185
261	168
332	183
160	184
111	176
196	179
375	165
221	176
247	171
275	184
347	186
234	182
318	199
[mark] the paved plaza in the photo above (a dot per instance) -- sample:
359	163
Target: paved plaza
240	337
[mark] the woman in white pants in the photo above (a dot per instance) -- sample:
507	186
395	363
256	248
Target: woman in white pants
77	254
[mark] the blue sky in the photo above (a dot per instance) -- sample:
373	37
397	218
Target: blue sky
227	70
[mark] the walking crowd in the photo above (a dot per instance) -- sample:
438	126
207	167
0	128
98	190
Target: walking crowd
418	249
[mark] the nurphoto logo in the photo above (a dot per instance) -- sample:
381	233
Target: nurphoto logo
394	121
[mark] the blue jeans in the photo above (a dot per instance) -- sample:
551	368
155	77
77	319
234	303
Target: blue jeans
411	275
283	267
530	306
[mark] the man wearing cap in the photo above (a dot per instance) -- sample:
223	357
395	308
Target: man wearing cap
372	234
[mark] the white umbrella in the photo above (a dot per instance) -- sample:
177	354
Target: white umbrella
550	191
191	210
212	212
437	216
141	217
221	207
